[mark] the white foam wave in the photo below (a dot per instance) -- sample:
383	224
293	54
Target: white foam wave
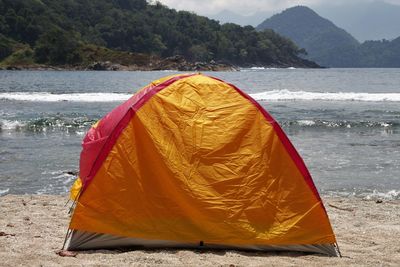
286	95
4	192
274	95
306	122
392	194
7	125
80	133
257	69
74	97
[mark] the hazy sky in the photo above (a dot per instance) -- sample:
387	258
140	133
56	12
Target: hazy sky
248	7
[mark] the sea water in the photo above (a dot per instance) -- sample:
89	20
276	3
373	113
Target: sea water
345	123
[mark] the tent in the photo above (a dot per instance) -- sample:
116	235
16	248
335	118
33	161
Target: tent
191	161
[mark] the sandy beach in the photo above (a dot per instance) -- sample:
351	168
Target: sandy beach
32	229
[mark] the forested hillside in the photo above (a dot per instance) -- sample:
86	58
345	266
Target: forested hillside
59	32
329	45
365	20
318	36
380	54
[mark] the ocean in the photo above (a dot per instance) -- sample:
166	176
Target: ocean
345	123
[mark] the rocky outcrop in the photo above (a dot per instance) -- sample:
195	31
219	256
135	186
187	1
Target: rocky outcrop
103	65
181	64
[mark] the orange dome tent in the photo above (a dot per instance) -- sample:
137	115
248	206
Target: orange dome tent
191	161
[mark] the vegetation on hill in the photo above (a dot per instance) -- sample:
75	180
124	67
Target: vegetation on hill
322	40
380	54
329	45
59	32
365	20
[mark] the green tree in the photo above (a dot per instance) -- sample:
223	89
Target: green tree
58	47
57	29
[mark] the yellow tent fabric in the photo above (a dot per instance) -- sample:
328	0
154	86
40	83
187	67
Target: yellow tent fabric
194	160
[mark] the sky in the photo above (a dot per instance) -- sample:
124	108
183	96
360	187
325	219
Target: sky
249	7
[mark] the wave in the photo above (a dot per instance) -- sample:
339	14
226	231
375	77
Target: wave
74	97
366	194
11	125
61	182
390	195
264	68
274	95
257	68
77	125
4	191
286	95
339	124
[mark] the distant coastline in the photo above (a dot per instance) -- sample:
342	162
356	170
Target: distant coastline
178	63
133	35
112	66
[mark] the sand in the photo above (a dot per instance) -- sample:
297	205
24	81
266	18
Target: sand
32	230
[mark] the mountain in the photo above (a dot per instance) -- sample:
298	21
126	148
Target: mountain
365	20
78	32
329	45
227	16
322	40
380	54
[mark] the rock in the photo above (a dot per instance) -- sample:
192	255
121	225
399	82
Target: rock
13	68
103	65
179	63
74	173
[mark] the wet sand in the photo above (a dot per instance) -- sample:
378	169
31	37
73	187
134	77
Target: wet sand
32	230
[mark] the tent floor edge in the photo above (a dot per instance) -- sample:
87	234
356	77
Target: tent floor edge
82	240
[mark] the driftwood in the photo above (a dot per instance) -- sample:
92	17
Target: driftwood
340	208
5	234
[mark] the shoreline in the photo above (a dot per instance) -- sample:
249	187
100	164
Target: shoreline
133	68
117	67
32	230
176	63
